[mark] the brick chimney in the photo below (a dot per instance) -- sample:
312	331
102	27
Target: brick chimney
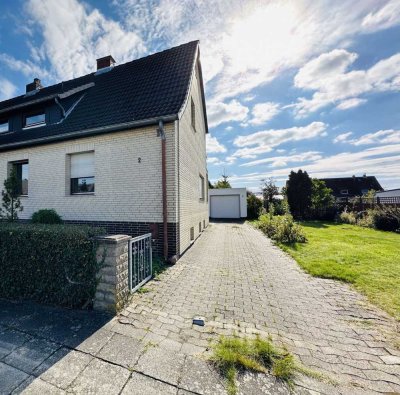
34	85
107	61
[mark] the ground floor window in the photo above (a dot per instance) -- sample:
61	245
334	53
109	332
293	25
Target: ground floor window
82	173
22	173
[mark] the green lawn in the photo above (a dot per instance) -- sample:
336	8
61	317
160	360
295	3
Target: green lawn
367	258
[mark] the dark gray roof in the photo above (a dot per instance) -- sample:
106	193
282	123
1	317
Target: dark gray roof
143	90
354	185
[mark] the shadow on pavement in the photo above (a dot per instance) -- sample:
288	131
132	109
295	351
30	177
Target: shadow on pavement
34	337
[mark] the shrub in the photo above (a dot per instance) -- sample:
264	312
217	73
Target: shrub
54	264
46	216
281	228
386	218
348	217
254	205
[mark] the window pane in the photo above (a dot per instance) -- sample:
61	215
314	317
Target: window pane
82	165
82	185
3	127
22	171
36	119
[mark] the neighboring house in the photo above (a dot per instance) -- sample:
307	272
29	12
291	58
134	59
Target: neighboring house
123	148
348	187
391	193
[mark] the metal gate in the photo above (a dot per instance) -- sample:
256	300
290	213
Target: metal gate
140	261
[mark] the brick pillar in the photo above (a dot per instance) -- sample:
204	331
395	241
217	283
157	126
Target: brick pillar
112	292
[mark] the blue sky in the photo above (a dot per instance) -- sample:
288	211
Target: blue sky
289	84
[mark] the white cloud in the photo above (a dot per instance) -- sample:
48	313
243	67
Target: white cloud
341	138
229	128
73	37
213	145
252	152
218	113
328	76
7	89
350	103
279	161
381	161
383	18
248	98
389	136
274	137
246	44
263	112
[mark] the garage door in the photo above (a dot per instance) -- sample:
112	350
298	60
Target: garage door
225	206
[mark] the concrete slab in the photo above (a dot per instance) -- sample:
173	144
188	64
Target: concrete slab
201	377
10	378
122	350
10	340
161	364
100	378
63	372
31	354
39	386
139	384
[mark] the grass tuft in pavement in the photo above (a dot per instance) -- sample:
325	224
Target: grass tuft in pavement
233	354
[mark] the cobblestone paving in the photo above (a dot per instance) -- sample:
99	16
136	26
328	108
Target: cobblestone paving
241	283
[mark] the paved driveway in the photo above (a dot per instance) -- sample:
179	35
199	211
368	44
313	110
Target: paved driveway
241	283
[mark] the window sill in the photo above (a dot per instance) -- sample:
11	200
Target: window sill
34	126
83	194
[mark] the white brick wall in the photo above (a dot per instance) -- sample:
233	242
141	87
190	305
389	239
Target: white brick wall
125	190
192	162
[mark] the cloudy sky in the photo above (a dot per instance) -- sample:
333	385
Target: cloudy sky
289	84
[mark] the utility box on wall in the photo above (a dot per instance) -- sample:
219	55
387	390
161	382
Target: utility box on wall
228	203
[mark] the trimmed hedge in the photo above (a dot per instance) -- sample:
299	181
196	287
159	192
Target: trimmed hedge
54	264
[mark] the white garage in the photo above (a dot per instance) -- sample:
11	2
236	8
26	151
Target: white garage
229	203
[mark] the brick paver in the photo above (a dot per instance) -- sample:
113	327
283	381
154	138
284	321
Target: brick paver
241	284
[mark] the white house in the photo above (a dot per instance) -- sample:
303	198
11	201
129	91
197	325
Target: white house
123	148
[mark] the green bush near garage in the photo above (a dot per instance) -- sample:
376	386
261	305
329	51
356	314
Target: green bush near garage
52	264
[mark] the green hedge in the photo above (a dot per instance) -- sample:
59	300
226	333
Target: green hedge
54	264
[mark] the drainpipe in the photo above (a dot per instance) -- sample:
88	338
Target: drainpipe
161	133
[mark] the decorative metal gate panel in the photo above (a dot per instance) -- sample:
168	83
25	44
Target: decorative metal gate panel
140	261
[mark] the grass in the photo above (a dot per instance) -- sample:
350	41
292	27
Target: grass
367	258
234	354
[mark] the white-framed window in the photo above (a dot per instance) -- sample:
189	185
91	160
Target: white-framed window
4	126
344	191
22	172
193	114
82	173
201	187
34	119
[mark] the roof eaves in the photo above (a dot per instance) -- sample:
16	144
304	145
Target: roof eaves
89	132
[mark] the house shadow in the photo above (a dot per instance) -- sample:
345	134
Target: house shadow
227	220
35	337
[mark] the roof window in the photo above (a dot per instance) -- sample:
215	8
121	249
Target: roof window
35	119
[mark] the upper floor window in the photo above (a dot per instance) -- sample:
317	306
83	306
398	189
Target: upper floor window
82	173
3	126
35	119
193	114
22	173
344	191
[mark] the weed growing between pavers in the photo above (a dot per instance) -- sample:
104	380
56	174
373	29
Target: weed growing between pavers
233	354
143	290
158	267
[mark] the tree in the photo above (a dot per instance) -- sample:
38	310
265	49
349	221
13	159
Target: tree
269	191
254	205
298	192
321	195
210	186
11	201
224	183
